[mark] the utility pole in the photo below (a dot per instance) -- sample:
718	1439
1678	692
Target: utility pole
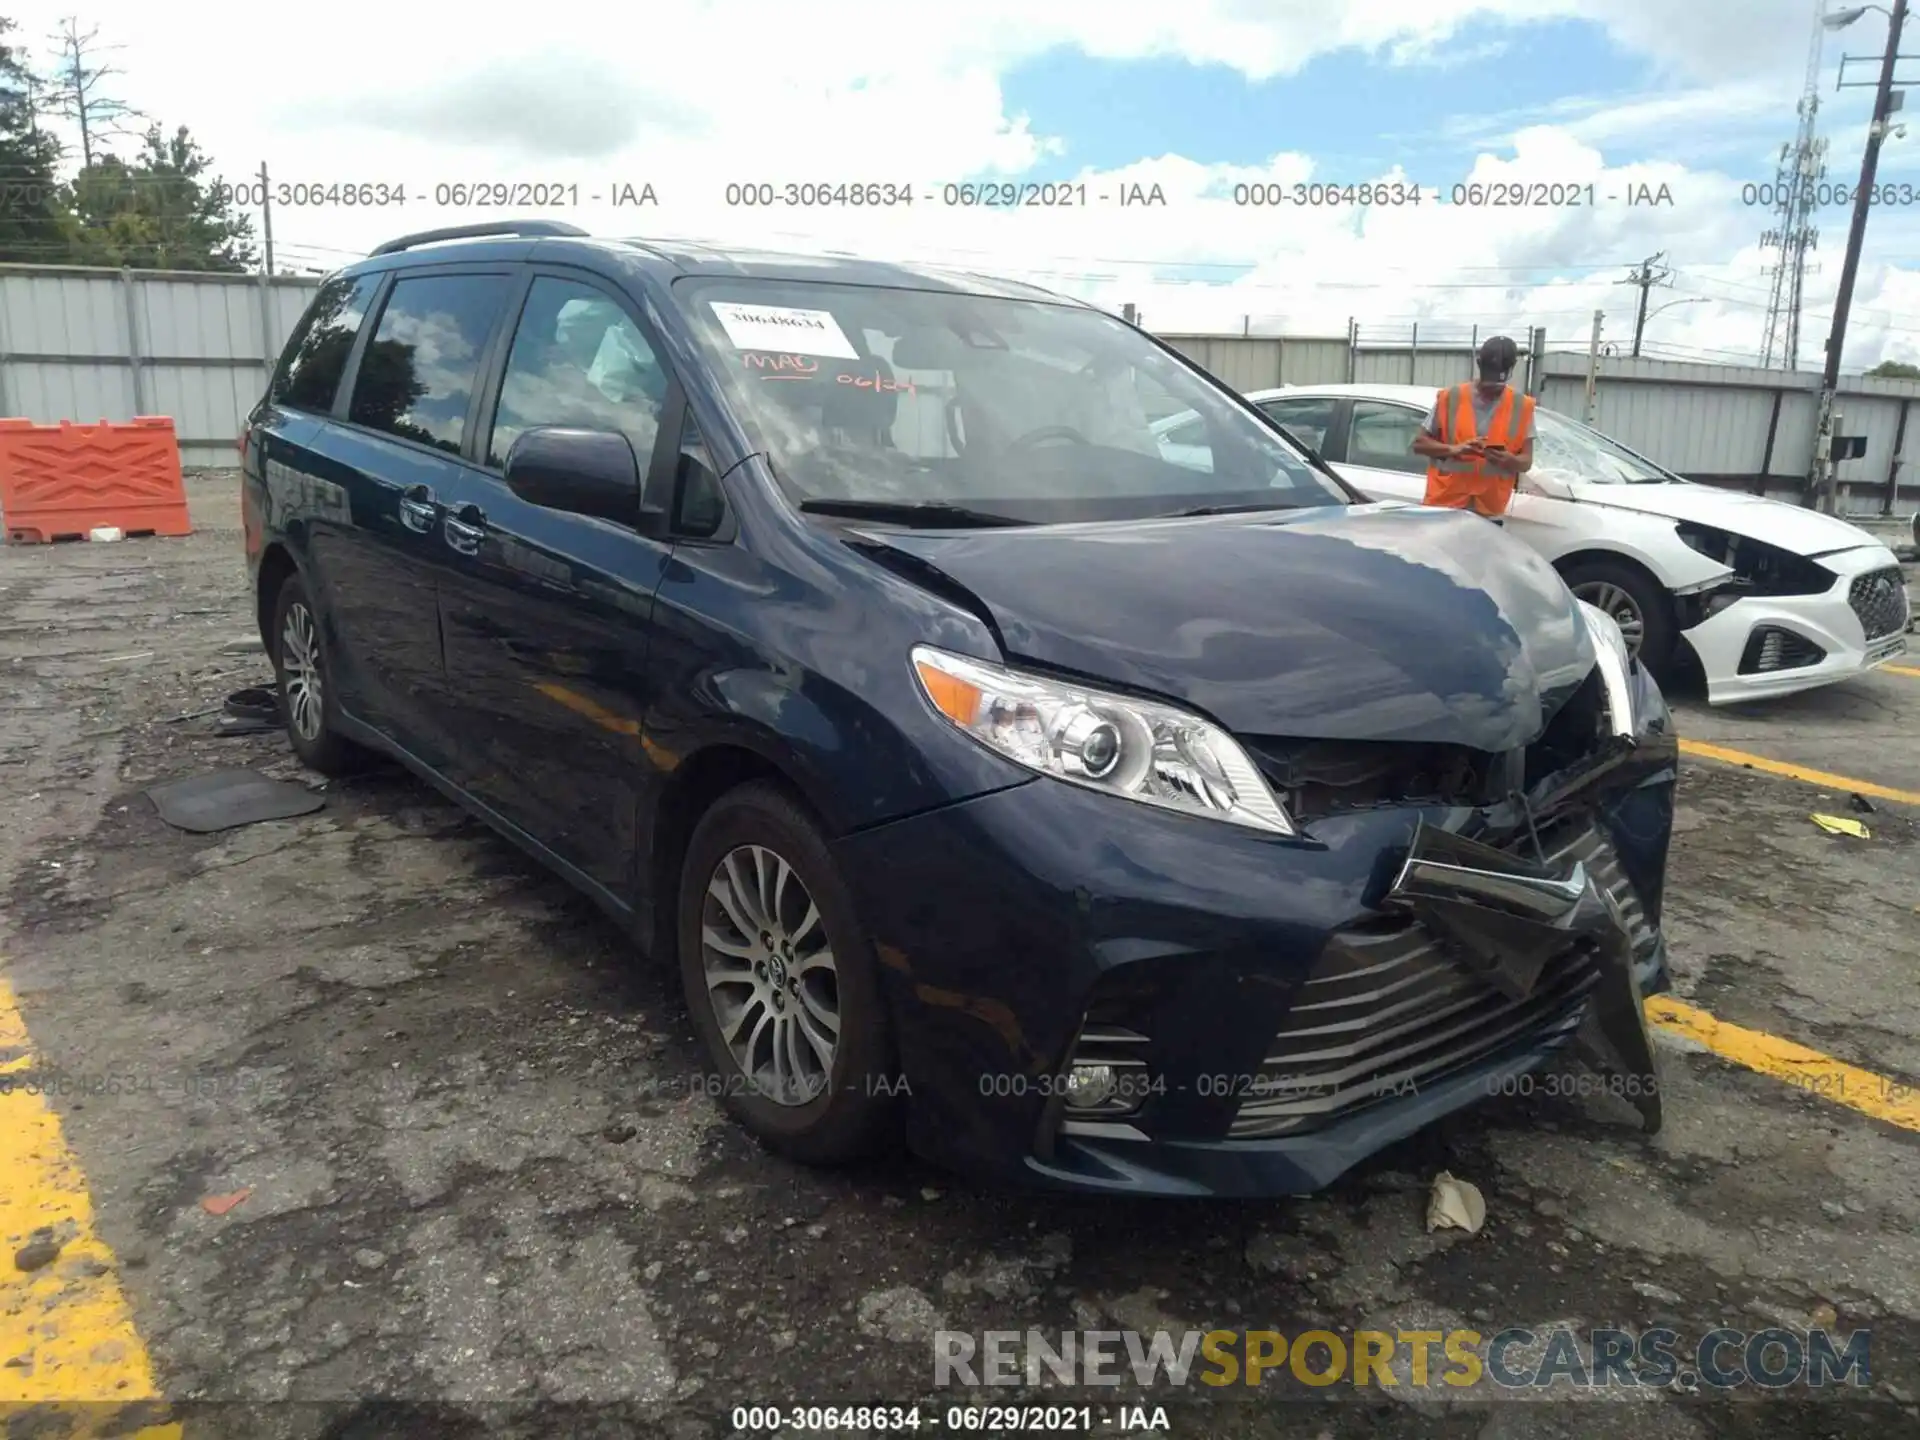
1593	368
1646	279
1820	472
266	214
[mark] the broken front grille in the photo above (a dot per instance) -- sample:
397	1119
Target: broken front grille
1879	598
1389	1010
1318	778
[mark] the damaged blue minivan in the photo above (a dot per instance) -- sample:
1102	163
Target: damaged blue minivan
1079	814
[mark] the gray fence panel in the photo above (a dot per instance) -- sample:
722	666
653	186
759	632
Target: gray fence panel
82	392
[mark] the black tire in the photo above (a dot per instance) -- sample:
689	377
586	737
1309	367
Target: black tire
852	1111
313	731
1620	585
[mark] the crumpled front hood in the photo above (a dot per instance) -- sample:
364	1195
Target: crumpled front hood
1789	527
1370	622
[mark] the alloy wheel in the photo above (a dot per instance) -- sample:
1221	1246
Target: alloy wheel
1603	595
300	670
770	975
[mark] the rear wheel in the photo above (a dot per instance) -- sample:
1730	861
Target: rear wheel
781	981
307	695
1639	606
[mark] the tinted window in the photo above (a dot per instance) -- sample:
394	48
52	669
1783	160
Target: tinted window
578	360
1382	436
316	354
1306	420
1034	410
418	371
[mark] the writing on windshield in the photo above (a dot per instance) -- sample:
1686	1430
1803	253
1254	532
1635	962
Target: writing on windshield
1046	411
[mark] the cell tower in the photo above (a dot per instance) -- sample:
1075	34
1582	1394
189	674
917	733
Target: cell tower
1803	165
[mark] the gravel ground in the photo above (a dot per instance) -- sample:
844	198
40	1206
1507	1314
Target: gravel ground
481	1176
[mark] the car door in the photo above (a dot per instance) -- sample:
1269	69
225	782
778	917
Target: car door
545	613
392	445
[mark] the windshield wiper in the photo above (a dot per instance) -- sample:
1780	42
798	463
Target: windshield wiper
908	512
1239	509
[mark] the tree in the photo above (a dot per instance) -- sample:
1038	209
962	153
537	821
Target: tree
76	93
33	211
1896	370
161	212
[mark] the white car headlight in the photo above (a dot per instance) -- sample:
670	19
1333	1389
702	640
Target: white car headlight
1130	748
1616	665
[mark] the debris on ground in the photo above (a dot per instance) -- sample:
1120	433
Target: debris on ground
221	1204
1840	825
250	712
1861	803
225	799
36	1254
1455	1205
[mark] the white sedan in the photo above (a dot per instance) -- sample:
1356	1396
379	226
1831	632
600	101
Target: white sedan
1771	597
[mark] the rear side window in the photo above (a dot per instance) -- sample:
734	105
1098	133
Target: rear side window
417	375
316	354
1381	436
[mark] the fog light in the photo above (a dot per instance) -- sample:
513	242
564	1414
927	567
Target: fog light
1091	1086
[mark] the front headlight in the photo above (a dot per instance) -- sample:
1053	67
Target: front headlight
1616	665
1130	748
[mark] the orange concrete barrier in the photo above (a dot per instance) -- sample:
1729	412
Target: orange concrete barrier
57	482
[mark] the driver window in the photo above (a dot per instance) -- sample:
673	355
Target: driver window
578	360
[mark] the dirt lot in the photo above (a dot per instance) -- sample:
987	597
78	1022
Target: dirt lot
480	1176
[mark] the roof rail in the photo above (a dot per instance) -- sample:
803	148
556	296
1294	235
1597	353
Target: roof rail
527	228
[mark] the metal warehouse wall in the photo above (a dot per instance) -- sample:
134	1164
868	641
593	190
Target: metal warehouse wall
1748	427
1729	425
89	344
86	345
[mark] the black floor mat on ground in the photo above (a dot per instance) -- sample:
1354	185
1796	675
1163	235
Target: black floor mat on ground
226	798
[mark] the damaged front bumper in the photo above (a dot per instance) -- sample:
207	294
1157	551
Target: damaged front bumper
1507	918
1099	996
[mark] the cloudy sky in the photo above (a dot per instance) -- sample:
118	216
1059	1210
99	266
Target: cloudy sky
689	96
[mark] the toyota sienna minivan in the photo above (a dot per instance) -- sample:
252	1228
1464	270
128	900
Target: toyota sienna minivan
997	785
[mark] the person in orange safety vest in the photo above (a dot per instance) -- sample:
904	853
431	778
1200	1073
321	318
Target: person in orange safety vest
1478	439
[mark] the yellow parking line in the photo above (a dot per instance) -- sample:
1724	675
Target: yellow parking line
1890	1100
69	1351
1901	670
1797	772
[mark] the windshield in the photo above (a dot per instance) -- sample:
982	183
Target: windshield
1012	408
1564	448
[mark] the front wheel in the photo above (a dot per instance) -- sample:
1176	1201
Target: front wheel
781	981
1638	605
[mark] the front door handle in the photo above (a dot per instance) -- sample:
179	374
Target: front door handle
417	509
466	529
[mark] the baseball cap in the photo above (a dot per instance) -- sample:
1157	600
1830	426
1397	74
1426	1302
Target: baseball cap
1498	355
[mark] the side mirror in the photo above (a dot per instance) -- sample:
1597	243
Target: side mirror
583	472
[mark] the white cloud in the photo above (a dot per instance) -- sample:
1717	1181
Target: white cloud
692	94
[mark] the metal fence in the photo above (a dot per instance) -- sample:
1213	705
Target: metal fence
90	344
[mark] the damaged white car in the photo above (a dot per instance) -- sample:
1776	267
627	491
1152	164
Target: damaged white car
1771	598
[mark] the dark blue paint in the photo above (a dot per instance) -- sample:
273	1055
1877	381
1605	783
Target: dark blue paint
561	680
